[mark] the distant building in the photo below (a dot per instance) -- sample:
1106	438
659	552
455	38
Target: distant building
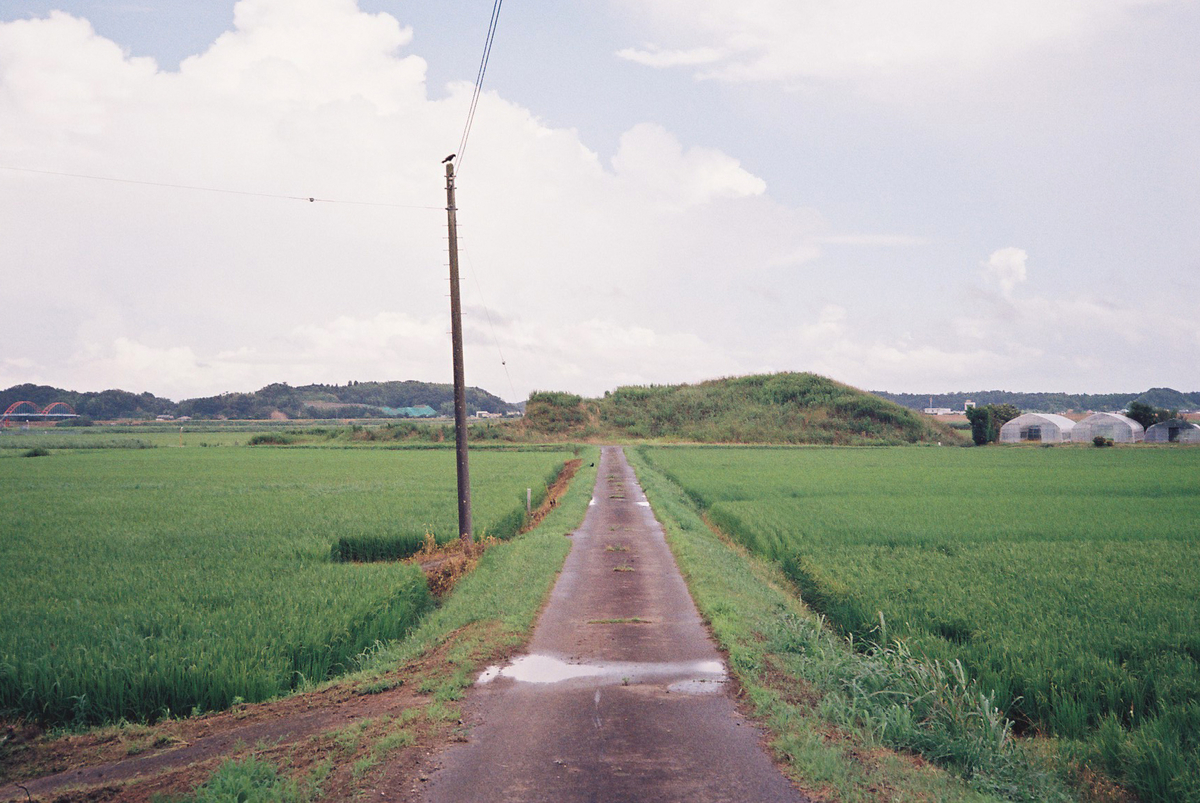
1038	427
1174	431
968	405
486	414
938	411
1114	426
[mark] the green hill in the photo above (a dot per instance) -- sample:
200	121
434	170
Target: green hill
775	408
1170	399
103	405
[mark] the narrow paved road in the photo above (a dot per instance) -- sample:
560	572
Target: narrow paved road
622	696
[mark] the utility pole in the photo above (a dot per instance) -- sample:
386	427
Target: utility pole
465	530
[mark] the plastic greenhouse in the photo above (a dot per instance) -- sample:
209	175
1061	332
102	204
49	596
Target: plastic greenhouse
1114	426
1039	427
1174	431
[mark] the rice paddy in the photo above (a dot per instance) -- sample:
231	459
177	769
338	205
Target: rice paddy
141	583
1066	580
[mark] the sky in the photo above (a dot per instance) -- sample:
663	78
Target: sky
927	196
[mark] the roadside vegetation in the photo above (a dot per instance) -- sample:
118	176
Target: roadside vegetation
1055	587
161	582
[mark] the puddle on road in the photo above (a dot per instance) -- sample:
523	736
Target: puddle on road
691	677
697	686
539	669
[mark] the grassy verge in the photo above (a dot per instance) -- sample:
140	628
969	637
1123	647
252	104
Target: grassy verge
505	592
848	725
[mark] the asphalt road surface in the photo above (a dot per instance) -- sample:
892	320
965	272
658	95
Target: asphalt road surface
622	696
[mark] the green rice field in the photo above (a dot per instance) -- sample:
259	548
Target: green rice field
139	583
1066	580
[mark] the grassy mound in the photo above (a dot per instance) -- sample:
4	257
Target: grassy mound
773	408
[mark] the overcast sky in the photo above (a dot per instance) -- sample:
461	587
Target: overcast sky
920	196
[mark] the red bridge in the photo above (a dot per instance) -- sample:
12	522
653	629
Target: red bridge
28	411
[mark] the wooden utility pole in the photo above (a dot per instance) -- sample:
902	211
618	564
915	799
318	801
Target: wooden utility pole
465	530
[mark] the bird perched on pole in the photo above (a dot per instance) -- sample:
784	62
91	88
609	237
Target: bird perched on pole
448	158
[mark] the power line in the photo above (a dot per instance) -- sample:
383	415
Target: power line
214	189
483	63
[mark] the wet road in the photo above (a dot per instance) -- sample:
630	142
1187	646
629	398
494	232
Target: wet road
622	696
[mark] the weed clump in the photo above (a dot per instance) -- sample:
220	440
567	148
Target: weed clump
37	451
253	780
374	548
270	439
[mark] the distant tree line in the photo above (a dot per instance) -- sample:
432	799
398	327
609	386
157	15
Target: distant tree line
353	400
1168	398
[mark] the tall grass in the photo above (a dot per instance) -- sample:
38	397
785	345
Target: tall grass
1065	581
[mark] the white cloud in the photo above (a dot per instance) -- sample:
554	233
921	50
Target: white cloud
881	240
787	40
657	57
1029	336
1006	267
649	156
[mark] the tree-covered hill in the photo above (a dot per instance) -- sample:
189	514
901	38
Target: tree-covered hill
353	400
101	405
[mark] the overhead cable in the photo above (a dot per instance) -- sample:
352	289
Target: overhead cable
483	63
309	199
